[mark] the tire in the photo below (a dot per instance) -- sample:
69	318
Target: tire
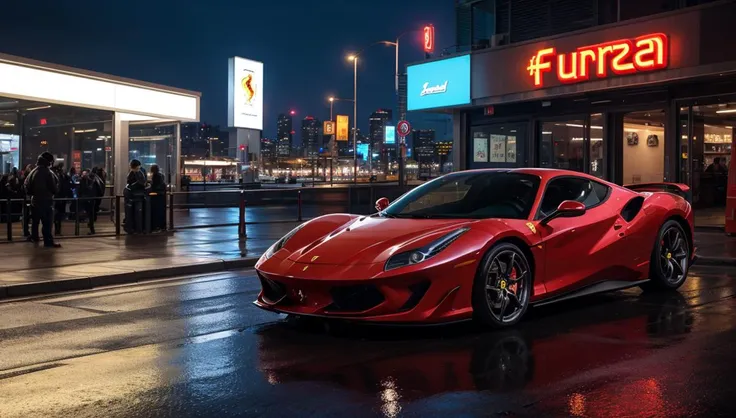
501	295
670	258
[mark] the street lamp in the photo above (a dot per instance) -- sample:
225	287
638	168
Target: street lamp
333	142
354	59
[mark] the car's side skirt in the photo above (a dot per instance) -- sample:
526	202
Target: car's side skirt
607	286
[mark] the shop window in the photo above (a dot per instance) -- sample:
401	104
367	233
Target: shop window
597	147
710	154
563	145
79	138
643	147
496	146
155	143
9	142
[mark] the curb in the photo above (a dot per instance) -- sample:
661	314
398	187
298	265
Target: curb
86	283
715	261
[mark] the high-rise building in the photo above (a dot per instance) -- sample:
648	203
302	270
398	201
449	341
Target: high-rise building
200	140
378	121
424	148
311	138
284	135
268	152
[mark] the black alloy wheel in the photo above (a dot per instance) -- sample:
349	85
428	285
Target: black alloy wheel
670	258
503	286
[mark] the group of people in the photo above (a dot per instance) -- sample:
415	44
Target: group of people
54	193
49	189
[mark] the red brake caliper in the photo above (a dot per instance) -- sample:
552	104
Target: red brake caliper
512	287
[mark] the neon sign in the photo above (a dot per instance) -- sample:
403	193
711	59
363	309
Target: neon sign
625	56
429	39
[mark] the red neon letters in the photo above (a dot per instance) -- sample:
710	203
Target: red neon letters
645	53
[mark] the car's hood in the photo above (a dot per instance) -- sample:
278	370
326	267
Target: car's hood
370	240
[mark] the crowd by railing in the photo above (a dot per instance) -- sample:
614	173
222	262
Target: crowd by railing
292	204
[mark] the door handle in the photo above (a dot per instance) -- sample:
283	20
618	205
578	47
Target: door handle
617	226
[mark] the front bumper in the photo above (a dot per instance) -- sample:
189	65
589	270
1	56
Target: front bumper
434	294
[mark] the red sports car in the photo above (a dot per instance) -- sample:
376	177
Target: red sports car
482	244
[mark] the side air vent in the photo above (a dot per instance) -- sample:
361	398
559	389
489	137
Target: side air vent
632	208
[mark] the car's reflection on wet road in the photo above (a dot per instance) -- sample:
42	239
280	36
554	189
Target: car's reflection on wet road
615	355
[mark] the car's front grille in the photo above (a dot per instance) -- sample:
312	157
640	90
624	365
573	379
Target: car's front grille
355	298
273	291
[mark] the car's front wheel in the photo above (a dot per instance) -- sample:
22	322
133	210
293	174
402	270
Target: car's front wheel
502	287
670	258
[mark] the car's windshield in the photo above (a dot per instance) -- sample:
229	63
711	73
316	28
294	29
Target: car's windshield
470	195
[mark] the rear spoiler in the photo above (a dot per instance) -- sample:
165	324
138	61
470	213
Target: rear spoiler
682	190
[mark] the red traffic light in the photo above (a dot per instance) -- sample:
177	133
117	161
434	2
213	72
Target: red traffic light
429	38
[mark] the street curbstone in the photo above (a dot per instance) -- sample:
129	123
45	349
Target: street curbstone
126	277
715	261
49	286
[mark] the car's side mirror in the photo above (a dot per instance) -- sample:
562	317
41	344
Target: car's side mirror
381	204
567	209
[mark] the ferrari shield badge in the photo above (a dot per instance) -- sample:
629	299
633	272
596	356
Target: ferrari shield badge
531	227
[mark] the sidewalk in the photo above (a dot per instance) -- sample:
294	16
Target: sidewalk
29	269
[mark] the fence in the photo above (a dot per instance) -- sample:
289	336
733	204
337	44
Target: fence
201	209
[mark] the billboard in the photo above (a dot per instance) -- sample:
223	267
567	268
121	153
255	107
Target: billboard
389	136
328	127
245	94
437	84
342	128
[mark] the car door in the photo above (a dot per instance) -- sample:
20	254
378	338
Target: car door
578	251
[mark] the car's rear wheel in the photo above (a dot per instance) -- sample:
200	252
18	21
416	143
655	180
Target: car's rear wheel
670	258
502	287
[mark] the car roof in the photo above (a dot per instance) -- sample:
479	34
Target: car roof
544	173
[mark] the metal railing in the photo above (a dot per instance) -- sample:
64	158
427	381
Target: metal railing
284	205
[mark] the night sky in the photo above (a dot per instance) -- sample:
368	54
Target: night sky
186	44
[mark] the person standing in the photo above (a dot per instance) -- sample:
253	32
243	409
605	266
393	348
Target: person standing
158	199
134	197
90	190
41	185
64	192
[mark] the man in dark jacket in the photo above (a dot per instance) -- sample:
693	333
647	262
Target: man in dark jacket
41	185
90	190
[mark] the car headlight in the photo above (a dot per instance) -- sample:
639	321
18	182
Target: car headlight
421	254
280	243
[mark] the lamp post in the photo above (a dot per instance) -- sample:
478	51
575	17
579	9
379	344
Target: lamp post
354	58
333	143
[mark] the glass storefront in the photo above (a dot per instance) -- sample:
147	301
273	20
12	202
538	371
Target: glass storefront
9	142
562	144
643	147
499	145
79	138
154	143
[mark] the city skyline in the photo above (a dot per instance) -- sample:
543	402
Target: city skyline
193	44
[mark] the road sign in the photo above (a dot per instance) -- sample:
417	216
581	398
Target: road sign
329	127
403	128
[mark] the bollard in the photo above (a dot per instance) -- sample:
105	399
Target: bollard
299	205
24	215
117	215
171	211
76	216
242	233
9	219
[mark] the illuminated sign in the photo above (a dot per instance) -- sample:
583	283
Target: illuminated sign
625	56
245	99
342	128
363	151
328	127
429	39
389	136
439	83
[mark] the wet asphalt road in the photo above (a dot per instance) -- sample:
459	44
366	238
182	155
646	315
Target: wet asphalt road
190	347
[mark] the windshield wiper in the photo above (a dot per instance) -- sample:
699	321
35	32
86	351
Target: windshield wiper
413	216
